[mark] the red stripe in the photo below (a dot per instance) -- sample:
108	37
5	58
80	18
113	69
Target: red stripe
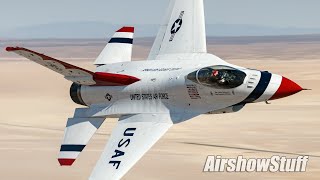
126	29
108	79
12	49
66	162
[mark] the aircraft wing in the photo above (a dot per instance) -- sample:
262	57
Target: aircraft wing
133	136
74	73
182	32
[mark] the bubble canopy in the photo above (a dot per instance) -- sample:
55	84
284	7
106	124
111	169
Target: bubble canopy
219	77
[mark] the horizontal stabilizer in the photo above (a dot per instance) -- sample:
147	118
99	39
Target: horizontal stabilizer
78	133
118	49
74	73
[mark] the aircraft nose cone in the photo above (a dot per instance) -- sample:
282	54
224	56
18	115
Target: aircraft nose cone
287	88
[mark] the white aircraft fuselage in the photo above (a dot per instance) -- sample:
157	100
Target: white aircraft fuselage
166	83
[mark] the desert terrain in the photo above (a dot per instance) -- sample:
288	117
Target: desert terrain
35	105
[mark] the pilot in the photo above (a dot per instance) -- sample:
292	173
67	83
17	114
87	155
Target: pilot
213	78
217	77
215	73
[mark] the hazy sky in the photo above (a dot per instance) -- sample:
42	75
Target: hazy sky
276	13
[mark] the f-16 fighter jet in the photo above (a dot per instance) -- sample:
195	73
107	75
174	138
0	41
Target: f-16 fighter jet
177	82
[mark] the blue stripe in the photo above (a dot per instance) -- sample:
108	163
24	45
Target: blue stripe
121	40
69	147
260	88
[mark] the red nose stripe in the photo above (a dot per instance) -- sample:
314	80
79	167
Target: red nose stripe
287	88
66	162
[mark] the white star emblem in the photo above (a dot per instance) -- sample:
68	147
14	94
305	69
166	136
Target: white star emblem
176	26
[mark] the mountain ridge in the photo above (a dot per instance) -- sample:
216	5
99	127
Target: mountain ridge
92	29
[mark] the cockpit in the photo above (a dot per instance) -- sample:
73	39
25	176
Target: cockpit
219	77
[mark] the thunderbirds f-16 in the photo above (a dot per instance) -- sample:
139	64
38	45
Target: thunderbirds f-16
177	82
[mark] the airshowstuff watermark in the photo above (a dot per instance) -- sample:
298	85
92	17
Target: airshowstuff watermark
240	164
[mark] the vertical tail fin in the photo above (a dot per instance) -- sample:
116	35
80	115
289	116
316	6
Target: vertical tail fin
182	32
